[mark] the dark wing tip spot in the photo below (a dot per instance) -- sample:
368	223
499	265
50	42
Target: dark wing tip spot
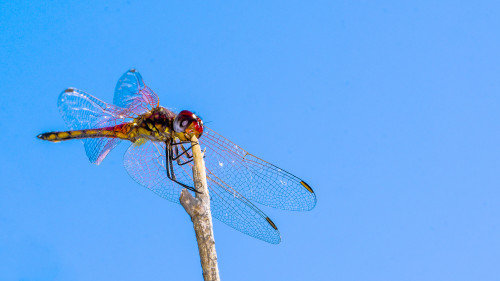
271	223
69	90
132	70
307	186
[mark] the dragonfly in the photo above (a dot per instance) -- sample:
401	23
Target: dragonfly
159	155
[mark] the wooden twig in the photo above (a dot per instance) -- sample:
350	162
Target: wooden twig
199	210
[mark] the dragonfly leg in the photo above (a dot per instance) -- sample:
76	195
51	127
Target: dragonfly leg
180	164
177	158
189	156
180	142
185	151
170	168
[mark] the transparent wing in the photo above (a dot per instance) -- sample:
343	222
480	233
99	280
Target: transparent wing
133	94
253	177
146	165
236	211
83	111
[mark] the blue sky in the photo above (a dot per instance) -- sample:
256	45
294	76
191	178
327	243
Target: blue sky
389	110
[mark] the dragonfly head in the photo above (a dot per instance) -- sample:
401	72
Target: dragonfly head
187	124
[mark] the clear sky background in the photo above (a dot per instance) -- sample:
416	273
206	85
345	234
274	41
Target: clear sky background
389	110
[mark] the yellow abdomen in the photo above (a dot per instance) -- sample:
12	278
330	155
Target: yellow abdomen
120	131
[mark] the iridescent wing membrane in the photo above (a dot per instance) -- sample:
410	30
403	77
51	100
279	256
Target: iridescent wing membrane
253	177
133	94
83	111
235	210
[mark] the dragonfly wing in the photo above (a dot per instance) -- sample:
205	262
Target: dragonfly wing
230	207
83	111
146	165
236	211
253	177
133	94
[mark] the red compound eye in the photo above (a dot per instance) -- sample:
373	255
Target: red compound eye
199	126
184	119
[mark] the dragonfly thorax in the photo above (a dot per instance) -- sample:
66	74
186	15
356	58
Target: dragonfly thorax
155	125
